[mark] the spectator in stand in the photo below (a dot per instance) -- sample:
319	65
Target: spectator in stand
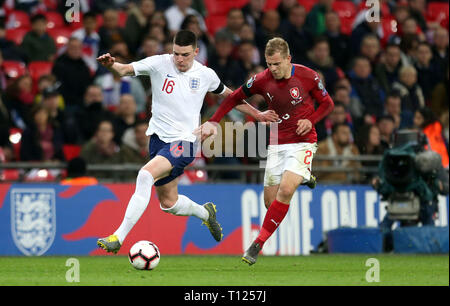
339	42
440	48
270	28
158	20
192	24
221	61
114	87
393	108
409	90
428	70
19	100
41	141
253	12
418	11
246	33
45	81
360	31
294	32
100	6
341	94
387	70
427	122
315	21
285	7
57	117
73	73
126	116
408	45
370	48
92	112
102	149
386	125
369	142
8	49
439	96
178	11
138	23
339	144
235	21
37	45
91	40
408	27
110	32
135	144
366	89
320	59
150	46
246	57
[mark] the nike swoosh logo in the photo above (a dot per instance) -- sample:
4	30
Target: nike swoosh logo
170	76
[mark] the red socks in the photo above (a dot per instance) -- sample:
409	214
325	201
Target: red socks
275	214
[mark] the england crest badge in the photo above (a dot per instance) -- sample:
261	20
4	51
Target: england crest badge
33	219
194	83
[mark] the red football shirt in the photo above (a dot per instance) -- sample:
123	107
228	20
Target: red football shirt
292	99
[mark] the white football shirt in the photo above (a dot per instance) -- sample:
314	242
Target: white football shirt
177	97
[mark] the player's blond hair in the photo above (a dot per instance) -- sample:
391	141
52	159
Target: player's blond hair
277	45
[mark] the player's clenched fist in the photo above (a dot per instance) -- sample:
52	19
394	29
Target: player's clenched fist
106	60
267	116
205	130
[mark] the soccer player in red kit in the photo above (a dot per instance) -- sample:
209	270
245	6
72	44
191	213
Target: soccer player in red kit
290	90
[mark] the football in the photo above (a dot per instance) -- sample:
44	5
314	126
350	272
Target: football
144	255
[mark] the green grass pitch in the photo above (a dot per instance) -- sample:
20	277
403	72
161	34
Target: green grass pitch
317	270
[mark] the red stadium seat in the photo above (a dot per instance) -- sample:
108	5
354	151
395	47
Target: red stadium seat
345	9
51	4
71	151
271	4
214	23
14	69
15	137
18	20
346	25
54	20
16	35
122	18
10	175
437	11
221	7
39	68
60	36
308	4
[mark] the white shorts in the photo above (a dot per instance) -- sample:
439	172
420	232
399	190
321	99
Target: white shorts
295	157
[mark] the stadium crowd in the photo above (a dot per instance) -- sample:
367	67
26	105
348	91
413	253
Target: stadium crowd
57	103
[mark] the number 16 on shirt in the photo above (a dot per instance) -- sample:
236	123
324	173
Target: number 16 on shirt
168	86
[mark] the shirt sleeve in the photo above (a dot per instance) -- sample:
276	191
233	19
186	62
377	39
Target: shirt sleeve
147	65
228	104
320	94
215	85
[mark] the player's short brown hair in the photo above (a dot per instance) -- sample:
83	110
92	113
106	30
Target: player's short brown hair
276	45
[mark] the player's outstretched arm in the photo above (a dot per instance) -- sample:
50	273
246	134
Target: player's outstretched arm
119	69
236	100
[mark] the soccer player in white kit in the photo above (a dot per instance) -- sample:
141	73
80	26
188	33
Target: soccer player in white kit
179	85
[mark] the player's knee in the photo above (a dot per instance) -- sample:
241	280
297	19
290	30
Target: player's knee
284	193
167	203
